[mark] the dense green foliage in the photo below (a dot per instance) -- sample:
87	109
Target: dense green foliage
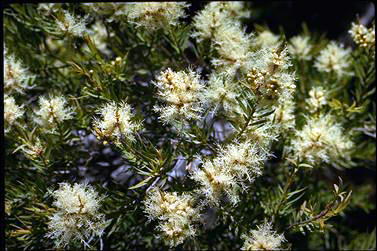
89	61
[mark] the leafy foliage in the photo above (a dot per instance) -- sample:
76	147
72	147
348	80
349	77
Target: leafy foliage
256	96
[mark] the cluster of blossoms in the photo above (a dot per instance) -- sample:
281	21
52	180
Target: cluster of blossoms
69	24
155	15
175	213
12	112
221	90
214	15
77	216
263	239
300	47
363	36
317	98
52	112
334	59
266	38
117	122
16	77
182	91
218	22
226	173
321	139
268	75
284	116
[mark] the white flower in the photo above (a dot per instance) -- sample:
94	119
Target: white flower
77	216
321	139
71	24
214	15
269	75
154	15
300	47
116	121
175	213
12	112
266	39
363	36
16	77
242	159
284	115
232	44
215	182
182	92
335	59
79	198
262	239
53	111
221	90
318	98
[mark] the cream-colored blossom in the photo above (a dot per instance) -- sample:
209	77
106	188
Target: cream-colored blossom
300	47
216	14
284	116
49	8
244	159
334	59
12	112
263	238
321	139
216	182
79	198
16	77
266	39
77	217
69	24
222	90
53	110
175	213
232	44
269	76
220	22
363	36
117	121
155	15
182	92
317	98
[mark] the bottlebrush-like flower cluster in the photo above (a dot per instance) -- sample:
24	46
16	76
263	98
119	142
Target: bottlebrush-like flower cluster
321	139
263	238
182	93
77	216
116	123
300	47
12	112
16	77
175	213
53	111
334	59
363	36
155	15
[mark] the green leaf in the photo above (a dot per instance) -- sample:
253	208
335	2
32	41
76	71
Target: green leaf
141	183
